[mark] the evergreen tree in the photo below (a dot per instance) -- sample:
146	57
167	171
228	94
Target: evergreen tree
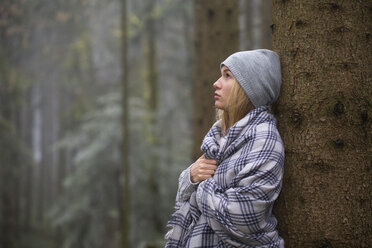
324	119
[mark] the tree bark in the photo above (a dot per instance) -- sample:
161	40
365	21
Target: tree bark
324	119
216	37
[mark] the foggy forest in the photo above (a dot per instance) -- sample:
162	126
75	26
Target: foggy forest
104	103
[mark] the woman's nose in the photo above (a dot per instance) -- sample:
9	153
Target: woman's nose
217	84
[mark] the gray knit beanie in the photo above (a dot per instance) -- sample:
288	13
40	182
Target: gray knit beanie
258	73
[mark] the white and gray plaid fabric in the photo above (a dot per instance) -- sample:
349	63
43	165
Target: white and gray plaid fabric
234	207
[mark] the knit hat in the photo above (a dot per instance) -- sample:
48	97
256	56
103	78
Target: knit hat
258	73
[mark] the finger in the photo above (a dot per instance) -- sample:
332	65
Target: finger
207	172
210	161
208	167
203	177
201	158
207	161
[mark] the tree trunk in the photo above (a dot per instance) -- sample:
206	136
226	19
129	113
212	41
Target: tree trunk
266	21
150	53
324	119
216	37
125	132
152	138
43	161
9	151
249	24
8	225
26	182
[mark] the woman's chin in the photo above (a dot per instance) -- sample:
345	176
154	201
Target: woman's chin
218	107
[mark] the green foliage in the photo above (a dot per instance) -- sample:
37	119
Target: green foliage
13	84
14	155
13	152
78	57
37	239
70	50
89	206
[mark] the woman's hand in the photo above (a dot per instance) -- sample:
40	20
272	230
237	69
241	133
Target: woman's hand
202	169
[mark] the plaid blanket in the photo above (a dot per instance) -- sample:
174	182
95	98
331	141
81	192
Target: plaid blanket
234	207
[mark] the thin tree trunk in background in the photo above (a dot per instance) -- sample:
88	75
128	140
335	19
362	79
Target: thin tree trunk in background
50	132
36	140
150	52
47	134
28	197
255	24
125	132
17	193
61	174
216	37
324	118
266	21
17	168
8	215
8	223
26	123
43	162
8	152
151	98
187	27
248	24
55	133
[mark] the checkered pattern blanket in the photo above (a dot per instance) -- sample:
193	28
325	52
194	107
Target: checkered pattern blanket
234	207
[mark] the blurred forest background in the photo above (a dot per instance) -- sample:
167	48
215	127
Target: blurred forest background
61	80
104	103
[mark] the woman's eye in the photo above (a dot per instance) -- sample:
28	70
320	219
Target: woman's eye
227	75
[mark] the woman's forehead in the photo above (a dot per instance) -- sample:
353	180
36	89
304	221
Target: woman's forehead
224	68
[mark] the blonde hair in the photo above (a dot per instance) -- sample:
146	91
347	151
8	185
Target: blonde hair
238	105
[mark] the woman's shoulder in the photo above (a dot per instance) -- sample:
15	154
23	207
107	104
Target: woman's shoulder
263	122
265	135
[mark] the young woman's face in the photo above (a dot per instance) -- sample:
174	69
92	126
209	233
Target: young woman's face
223	87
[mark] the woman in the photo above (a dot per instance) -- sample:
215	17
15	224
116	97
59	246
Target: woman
225	198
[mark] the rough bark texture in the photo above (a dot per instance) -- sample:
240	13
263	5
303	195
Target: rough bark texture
216	37
324	118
